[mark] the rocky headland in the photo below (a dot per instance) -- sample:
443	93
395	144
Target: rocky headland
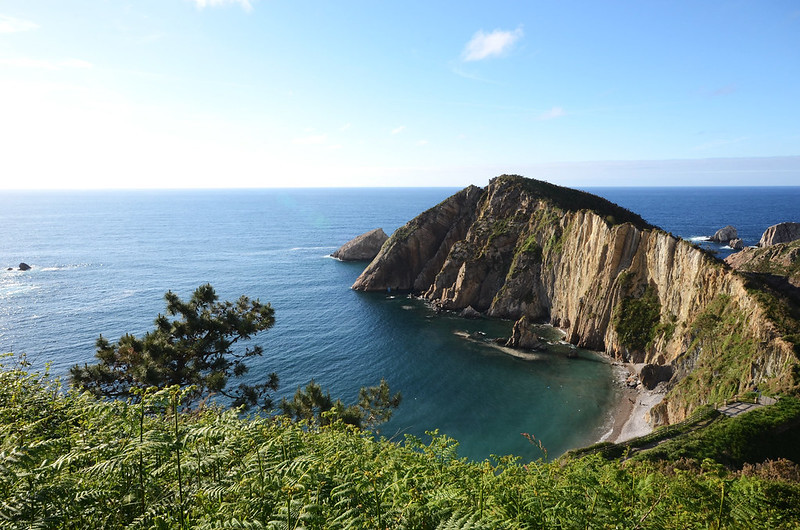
611	281
780	233
362	248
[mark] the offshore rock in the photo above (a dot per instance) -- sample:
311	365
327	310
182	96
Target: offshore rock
723	235
780	233
736	244
470	312
523	336
24	266
611	281
362	248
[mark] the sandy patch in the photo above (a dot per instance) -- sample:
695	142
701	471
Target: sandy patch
632	408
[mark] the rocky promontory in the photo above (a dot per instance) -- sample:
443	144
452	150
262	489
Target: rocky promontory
780	233
362	248
611	281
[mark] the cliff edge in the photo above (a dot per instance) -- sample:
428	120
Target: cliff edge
611	281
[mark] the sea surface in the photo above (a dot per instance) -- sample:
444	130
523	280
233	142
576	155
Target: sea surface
102	261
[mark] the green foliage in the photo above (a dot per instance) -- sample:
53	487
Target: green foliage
765	433
532	248
636	319
575	200
195	350
375	405
72	461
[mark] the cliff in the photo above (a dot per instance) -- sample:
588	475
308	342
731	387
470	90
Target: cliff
613	282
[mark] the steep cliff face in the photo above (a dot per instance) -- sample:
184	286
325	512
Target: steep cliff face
525	248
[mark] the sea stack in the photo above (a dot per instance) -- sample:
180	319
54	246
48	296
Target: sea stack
723	235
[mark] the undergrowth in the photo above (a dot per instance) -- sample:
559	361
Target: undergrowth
68	460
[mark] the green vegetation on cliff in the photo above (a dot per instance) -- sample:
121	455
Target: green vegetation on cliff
636	319
573	200
69	460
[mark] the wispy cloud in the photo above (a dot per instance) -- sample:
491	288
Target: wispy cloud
13	25
555	112
398	130
720	143
246	4
422	143
346	127
487	45
26	62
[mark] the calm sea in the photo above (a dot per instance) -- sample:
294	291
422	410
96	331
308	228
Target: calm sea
103	260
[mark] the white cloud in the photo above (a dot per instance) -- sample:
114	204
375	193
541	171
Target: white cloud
555	112
346	127
398	130
39	64
13	25
422	143
494	44
246	5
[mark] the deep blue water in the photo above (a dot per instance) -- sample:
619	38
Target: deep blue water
103	260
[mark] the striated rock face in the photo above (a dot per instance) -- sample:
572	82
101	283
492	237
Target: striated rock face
612	282
723	235
414	254
780	233
362	248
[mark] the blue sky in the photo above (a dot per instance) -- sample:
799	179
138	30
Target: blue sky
266	93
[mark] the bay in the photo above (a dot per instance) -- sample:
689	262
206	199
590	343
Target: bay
102	261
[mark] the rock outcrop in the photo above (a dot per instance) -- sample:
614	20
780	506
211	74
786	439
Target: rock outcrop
24	266
412	257
362	248
725	234
772	262
612	282
522	336
736	244
780	233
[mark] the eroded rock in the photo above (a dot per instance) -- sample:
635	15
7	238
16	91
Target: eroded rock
523	336
725	234
780	233
362	248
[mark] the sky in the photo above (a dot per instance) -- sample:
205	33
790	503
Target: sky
272	93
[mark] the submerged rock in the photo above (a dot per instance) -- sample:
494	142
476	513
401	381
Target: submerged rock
362	248
723	235
780	233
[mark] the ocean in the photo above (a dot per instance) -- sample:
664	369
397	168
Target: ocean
102	261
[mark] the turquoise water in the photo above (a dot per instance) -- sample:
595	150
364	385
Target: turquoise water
103	260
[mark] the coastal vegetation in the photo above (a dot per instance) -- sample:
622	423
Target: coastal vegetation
71	460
